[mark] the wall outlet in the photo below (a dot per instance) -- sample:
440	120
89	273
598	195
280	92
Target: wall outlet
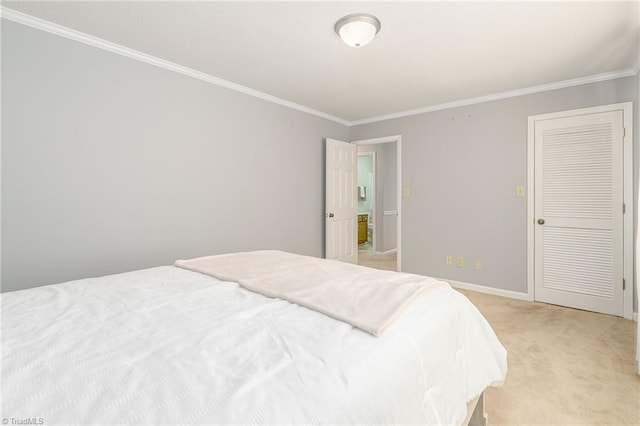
449	260
520	191
478	265
459	262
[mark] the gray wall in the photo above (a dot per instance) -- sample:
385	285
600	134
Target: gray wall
110	164
462	166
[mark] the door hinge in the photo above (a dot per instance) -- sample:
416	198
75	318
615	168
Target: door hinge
624	132
624	284
624	208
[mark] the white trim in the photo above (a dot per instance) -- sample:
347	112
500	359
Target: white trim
375	141
502	95
0	165
530	210
637	246
390	213
50	27
398	140
627	110
382	253
487	290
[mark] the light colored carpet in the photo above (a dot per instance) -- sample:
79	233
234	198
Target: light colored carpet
566	366
378	261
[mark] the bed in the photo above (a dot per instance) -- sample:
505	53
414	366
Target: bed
168	345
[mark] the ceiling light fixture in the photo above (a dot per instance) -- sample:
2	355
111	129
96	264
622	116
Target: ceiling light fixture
357	30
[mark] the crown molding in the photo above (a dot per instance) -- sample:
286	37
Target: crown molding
502	95
90	40
50	27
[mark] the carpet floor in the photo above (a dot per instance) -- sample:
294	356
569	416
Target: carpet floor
378	261
566	366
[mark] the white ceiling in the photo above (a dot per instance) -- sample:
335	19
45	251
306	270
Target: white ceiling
427	53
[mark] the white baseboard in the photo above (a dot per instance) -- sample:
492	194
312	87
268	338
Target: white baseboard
488	290
498	292
382	253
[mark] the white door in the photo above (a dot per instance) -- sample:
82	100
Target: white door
340	202
578	212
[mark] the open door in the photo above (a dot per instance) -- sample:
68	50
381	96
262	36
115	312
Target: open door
340	202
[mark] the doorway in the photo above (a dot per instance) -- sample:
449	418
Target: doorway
379	199
579	225
366	201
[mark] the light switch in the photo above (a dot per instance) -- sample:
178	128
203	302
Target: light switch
520	191
406	191
478	265
459	262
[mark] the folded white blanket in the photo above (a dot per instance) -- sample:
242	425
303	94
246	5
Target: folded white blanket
367	298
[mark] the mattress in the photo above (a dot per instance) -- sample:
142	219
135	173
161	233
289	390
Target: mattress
170	346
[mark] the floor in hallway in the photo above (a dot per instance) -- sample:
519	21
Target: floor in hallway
379	261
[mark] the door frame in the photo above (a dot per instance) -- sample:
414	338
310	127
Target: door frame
398	140
627	178
375	198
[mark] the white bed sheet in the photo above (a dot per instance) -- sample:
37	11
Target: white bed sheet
170	346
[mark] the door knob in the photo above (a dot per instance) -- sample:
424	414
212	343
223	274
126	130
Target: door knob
540	221
331	214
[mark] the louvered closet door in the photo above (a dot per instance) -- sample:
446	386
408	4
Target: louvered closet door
578	196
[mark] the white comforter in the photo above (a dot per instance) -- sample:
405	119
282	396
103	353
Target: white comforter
170	346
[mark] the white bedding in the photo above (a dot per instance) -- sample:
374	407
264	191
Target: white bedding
170	346
367	298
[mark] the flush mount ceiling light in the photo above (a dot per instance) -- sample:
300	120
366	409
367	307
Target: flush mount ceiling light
357	30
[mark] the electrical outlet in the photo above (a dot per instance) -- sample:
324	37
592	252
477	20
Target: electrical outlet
449	260
459	262
478	265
